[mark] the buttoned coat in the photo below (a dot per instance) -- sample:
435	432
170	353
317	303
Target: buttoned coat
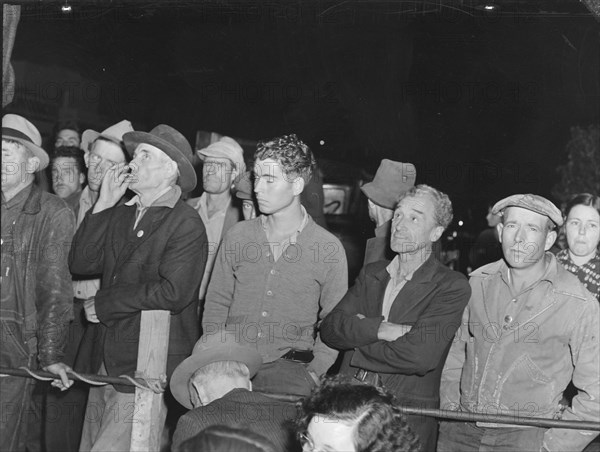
157	265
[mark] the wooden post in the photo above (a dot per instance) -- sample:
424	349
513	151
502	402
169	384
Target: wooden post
149	414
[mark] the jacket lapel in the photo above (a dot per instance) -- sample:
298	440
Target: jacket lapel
414	291
376	291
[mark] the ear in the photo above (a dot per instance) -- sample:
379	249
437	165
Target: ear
550	239
86	158
81	178
500	228
249	385
33	163
298	186
195	396
436	233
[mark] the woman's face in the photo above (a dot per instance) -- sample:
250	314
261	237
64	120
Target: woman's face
583	230
329	435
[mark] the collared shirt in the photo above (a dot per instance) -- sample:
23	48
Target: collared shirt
588	273
85	288
214	229
275	305
394	286
277	248
166	198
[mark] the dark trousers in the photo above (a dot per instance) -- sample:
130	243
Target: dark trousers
468	437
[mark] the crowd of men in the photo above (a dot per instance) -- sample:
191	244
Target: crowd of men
260	304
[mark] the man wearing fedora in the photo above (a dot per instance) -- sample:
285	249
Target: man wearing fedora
100	151
391	181
276	275
214	383
151	252
397	322
529	329
222	161
36	305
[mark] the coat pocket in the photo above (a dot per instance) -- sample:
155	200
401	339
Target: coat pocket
525	388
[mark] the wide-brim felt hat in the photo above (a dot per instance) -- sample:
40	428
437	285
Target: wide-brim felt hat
243	187
172	143
535	203
211	349
17	128
113	133
392	180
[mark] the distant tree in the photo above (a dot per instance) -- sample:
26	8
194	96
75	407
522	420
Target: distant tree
581	173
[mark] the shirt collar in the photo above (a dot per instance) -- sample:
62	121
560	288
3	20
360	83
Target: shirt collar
303	223
393	269
166	198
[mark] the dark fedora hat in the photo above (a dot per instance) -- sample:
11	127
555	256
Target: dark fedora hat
172	143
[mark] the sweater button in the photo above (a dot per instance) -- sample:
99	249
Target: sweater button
508	319
269	293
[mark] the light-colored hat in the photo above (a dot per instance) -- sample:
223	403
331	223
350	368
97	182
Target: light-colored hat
535	203
391	181
211	349
226	148
15	127
114	133
172	143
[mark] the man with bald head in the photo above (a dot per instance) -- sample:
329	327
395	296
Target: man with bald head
529	329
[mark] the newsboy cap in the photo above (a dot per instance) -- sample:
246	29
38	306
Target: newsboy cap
535	203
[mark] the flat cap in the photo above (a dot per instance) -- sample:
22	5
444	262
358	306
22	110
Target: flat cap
535	203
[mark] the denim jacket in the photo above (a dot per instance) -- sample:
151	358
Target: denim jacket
522	352
38	320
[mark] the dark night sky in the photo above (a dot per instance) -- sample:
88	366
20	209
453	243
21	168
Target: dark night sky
481	104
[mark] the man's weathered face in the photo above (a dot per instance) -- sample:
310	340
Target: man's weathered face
413	225
148	167
66	177
274	189
103	155
14	164
217	175
67	137
524	236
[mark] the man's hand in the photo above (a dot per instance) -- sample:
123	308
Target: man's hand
89	306
61	370
114	184
391	331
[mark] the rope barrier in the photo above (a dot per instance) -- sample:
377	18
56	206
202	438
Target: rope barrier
156	385
477	417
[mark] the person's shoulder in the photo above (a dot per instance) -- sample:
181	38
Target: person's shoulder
244	228
567	284
486	270
52	202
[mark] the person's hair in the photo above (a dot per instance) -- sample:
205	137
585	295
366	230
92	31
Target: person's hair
218	370
67	125
380	425
293	155
73	152
441	203
224	438
584	199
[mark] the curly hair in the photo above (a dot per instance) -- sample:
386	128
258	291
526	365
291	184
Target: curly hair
380	426
293	155
441	203
71	151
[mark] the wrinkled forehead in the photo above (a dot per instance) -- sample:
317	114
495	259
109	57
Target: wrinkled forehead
152	150
420	203
64	162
